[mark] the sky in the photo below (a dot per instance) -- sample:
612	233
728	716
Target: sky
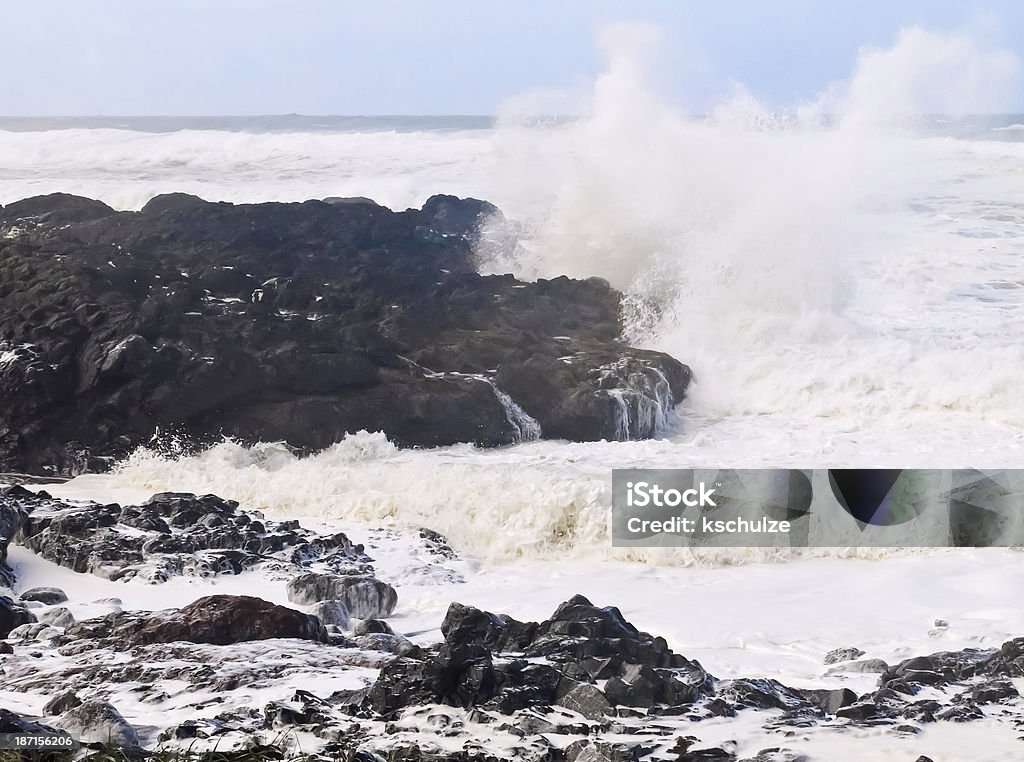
244	57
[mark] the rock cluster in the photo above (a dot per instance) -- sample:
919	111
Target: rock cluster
296	322
173	534
495	689
584	685
977	677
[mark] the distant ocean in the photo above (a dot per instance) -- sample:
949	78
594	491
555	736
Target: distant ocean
848	293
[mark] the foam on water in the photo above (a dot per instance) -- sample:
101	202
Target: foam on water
846	282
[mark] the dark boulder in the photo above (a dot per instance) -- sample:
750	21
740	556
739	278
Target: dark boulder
297	322
97	722
175	534
843	654
226	619
46	595
61	703
829	701
54	208
364	597
13	723
332	612
12	615
372	627
499	663
15	504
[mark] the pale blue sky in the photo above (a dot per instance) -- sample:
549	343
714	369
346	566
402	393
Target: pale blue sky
176	57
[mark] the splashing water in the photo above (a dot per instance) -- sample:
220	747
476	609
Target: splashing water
846	281
826	263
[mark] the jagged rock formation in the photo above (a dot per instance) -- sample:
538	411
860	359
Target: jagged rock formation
296	322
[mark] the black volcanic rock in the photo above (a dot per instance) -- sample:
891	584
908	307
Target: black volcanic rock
364	597
298	322
481	664
12	515
12	615
226	619
174	534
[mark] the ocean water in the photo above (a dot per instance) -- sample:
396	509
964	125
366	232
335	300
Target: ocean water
846	281
846	295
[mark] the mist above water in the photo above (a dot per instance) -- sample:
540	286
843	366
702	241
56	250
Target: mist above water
846	279
827	261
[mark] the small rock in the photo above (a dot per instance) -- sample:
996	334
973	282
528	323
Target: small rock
387	642
365	597
829	701
97	722
993	691
12	616
367	626
226	619
842	654
61	703
586	699
57	617
778	755
48	595
866	666
332	612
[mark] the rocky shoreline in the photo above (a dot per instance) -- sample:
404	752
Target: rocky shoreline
327	676
298	322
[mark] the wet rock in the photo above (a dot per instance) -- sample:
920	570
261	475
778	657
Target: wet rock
225	619
760	694
331	612
466	624
777	754
35	632
368	626
1008	661
960	713
177	534
13	512
481	664
13	616
61	703
364	597
387	642
829	701
843	654
684	752
299	323
586	635
861	666
639	685
97	722
991	692
57	617
586	699
13	723
48	595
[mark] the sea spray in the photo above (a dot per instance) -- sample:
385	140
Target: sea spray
805	264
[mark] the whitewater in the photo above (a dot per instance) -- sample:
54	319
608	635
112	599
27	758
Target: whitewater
846	282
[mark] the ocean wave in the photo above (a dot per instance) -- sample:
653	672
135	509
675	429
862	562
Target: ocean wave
542	500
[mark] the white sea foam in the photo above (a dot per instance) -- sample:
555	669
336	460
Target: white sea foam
847	286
